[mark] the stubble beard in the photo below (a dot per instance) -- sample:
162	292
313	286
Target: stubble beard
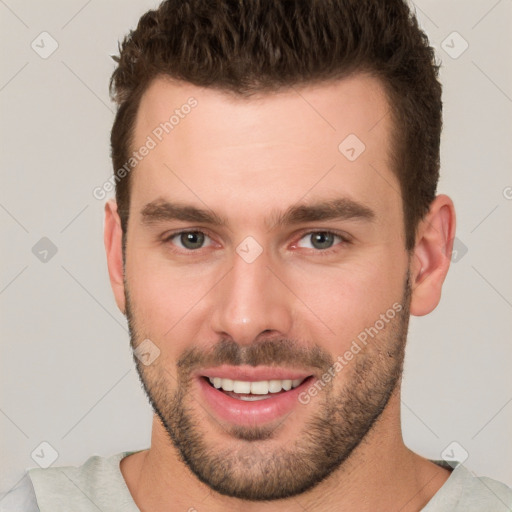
255	465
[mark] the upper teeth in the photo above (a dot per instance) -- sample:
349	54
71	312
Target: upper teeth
262	387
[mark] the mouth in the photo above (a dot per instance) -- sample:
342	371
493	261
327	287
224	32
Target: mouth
251	391
250	396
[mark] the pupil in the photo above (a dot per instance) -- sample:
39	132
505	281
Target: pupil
192	240
322	240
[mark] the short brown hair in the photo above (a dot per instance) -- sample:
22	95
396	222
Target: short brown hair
249	46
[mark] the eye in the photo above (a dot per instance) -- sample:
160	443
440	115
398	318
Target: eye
320	240
190	240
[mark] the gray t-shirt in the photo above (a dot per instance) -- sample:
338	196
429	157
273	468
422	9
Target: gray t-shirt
99	485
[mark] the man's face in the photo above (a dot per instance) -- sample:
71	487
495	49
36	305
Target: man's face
277	291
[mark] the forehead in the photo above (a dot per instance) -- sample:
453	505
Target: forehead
356	103
270	149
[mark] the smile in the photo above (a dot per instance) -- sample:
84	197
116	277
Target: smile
256	390
250	396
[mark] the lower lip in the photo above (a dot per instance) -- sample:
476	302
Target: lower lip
247	413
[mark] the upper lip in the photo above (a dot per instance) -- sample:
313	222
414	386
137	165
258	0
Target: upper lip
252	373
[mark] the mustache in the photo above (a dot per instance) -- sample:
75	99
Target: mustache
275	352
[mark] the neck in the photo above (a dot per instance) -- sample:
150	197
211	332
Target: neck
381	474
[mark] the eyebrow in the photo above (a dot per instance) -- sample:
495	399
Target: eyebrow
344	208
162	210
334	209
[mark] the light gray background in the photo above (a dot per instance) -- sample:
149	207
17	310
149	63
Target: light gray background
66	371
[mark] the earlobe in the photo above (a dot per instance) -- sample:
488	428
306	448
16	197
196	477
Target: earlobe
113	247
432	255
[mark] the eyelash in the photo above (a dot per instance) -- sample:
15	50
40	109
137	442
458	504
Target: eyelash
344	240
343	237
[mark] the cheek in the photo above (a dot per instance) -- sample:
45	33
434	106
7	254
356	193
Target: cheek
350	298
166	300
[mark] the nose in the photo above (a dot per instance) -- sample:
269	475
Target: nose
250	301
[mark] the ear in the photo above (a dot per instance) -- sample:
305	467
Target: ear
432	255
113	240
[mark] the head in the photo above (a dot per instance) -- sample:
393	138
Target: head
297	146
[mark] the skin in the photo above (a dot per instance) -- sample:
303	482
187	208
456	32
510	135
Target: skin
245	158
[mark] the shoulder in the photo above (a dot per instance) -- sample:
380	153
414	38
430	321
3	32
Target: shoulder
465	491
94	468
487	491
97	484
20	498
